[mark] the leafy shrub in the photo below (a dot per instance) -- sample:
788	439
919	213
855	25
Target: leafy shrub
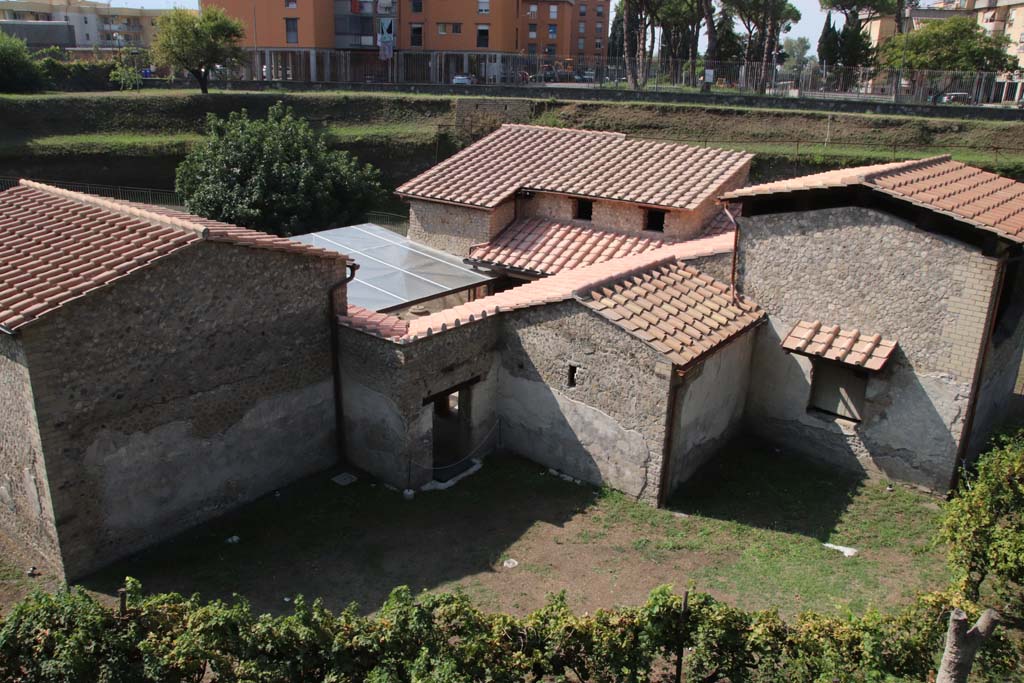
76	75
443	638
983	526
18	73
274	174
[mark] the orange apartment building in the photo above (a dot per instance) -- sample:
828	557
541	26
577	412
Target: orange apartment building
289	24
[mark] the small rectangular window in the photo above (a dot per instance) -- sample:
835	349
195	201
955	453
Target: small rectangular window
598	44
532	31
582	27
552	31
837	390
583	10
416	35
483	7
599	10
417	6
581	45
483	35
291	31
532	11
291	4
584	209
570	380
531	49
552	11
442	29
456	27
655	220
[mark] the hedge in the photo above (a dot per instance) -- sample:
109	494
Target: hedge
443	638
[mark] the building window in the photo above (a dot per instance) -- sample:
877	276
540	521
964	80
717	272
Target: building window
598	44
442	29
456	27
583	10
532	11
581	44
552	11
570	379
291	31
582	28
483	6
654	220
599	10
531	49
532	32
837	390
291	4
552	31
584	209
85	20
549	50
483	35
417	6
416	35
599	28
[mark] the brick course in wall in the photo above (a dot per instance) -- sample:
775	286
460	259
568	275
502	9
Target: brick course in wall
180	391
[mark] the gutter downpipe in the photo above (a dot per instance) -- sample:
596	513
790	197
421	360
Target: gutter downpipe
332	320
979	374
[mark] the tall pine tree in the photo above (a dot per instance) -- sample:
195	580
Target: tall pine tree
828	43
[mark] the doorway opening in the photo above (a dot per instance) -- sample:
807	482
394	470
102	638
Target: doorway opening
451	431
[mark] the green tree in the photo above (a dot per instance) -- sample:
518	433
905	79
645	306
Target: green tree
796	50
983	526
274	174
18	71
198	43
854	45
615	37
828	43
956	44
730	43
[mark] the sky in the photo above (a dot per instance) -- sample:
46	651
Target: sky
809	26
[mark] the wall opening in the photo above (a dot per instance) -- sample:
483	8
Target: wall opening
584	209
655	220
451	432
837	390
570	380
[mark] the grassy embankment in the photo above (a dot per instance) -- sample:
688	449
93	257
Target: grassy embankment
405	133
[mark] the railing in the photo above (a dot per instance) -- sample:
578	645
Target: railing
394	221
661	75
141	195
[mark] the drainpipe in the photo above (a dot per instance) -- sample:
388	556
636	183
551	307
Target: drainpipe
332	320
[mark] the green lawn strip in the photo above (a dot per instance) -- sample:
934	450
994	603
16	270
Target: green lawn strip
384	132
133	144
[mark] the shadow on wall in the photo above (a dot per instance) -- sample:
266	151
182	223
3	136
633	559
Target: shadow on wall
907	419
755	485
558	427
354	543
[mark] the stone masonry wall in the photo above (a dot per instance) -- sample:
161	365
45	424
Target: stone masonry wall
710	401
455	229
389	431
607	429
25	510
621	216
1000	392
181	391
870	271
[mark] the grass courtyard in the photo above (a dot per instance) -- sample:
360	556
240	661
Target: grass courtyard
748	529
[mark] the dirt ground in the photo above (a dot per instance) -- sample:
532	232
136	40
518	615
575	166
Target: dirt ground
749	529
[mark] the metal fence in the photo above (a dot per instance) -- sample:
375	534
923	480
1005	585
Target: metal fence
661	75
142	195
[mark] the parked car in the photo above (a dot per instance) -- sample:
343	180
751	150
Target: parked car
463	79
955	98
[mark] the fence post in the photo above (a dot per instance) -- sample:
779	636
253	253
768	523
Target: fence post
680	645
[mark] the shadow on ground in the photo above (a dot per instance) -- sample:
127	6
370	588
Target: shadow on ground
754	485
354	543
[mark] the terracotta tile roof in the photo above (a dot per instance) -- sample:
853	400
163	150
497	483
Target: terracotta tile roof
675	308
692	313
853	347
543	247
56	245
976	197
579	162
378	324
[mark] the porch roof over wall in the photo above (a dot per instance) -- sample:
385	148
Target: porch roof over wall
849	346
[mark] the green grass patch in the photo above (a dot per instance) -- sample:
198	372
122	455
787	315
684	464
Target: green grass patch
129	144
405	132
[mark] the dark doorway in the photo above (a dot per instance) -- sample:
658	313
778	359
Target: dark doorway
451	427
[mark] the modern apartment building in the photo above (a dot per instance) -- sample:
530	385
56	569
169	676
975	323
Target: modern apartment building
95	24
997	17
